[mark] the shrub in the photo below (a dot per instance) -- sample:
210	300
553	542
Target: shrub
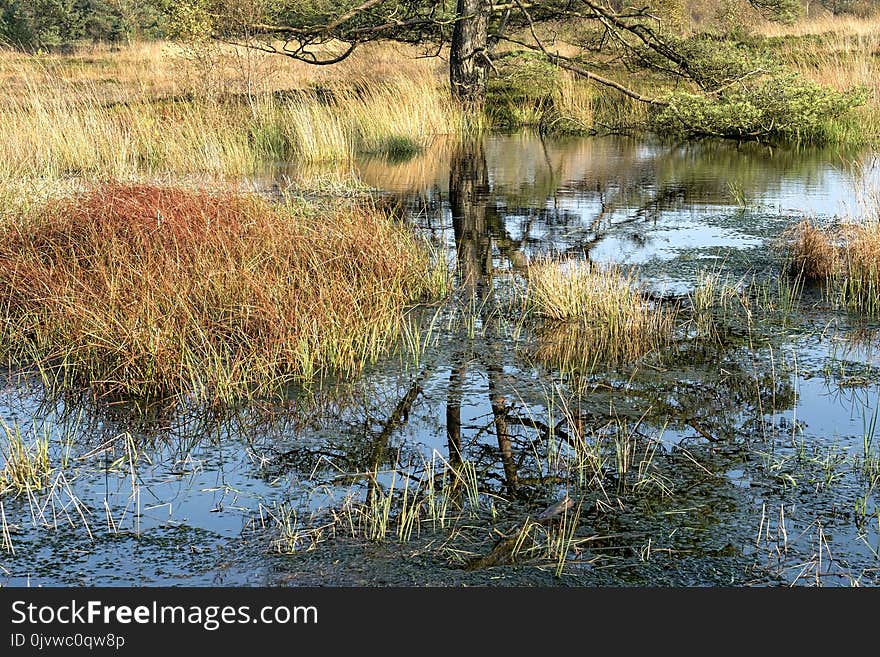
777	108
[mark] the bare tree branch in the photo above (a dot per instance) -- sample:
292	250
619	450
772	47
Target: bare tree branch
566	63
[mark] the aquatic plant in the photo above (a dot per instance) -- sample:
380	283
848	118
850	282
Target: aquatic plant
27	465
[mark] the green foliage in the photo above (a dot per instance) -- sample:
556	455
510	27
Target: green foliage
714	62
774	108
194	20
37	22
710	60
784	11
46	23
310	12
139	19
190	20
402	16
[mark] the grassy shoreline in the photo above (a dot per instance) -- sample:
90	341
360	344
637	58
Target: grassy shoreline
59	123
150	110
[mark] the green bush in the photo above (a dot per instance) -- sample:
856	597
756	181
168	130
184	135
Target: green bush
776	108
711	61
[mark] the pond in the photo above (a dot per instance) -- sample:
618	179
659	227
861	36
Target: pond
487	450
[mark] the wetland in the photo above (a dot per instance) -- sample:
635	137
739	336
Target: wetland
722	434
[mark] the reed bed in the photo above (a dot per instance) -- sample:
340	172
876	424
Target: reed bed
141	290
594	314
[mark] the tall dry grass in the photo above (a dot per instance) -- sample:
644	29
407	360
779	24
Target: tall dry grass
824	24
163	69
143	290
61	119
813	253
860	287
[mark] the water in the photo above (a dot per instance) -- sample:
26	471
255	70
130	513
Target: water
747	464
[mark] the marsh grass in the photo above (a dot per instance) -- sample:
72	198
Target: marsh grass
397	504
439	496
552	542
870	453
36	482
574	109
140	290
860	284
715	298
813	254
594	314
723	309
847	256
291	533
27	465
61	120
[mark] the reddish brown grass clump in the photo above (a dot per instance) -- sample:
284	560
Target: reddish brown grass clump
149	290
847	256
812	253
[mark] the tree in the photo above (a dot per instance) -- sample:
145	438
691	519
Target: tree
39	22
324	32
711	85
47	23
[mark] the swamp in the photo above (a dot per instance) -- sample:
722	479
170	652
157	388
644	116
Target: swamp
570	323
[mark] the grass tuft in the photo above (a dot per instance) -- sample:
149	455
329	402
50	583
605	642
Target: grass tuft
848	256
146	290
595	314
812	252
27	466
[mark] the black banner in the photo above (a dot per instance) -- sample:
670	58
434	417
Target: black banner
130	621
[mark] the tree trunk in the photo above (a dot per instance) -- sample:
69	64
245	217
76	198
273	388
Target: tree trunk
468	58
